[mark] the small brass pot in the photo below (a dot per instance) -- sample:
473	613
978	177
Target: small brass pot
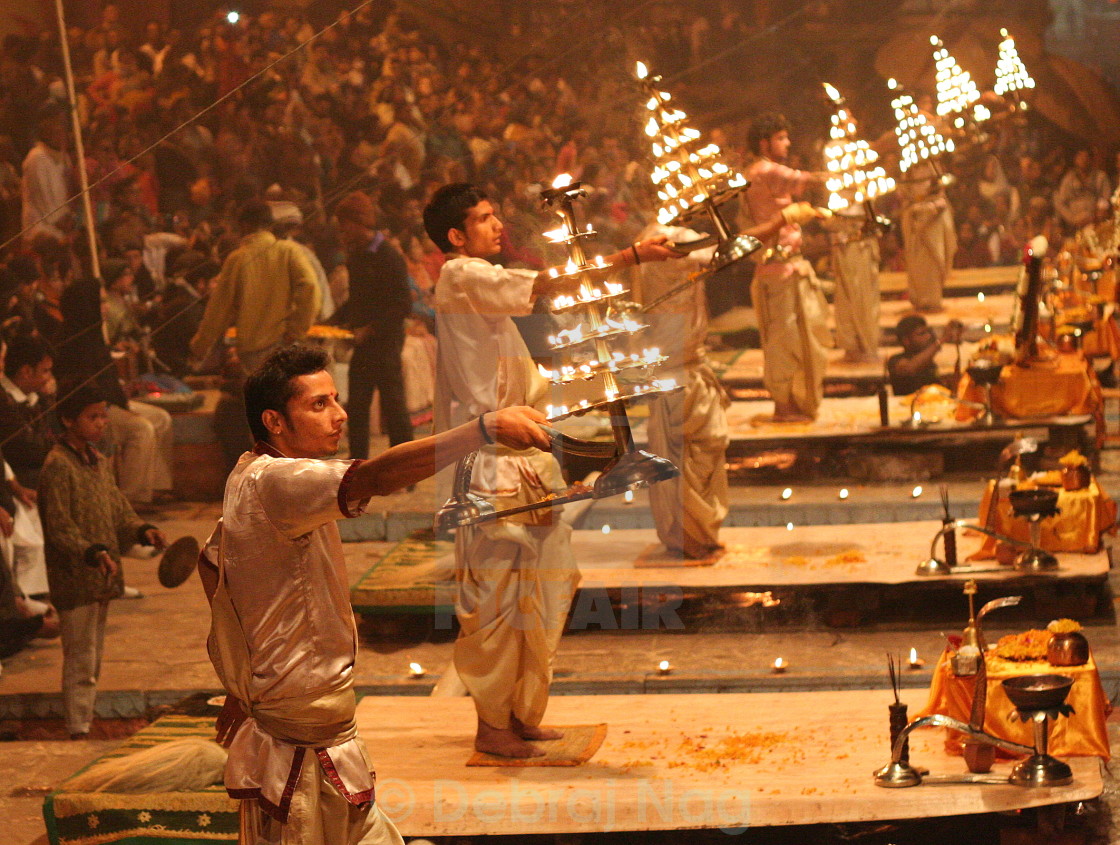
1068	649
1076	477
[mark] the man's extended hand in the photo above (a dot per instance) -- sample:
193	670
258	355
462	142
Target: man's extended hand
155	537
797	213
106	564
953	332
518	427
656	249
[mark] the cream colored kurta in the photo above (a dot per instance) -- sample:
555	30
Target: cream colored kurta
787	298
688	427
283	642
515	577
929	239
855	265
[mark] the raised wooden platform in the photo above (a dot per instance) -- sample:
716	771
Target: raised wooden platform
978	317
741	369
855	419
967	282
677	762
836	574
669	762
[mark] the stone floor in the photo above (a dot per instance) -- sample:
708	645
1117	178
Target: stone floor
155	655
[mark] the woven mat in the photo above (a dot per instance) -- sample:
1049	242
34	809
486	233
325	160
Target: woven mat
418	572
579	745
97	818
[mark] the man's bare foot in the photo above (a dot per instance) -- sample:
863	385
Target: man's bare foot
503	742
787	412
791	417
697	550
533	731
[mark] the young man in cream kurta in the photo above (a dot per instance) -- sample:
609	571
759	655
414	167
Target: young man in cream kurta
689	427
515	576
787	297
282	635
854	249
929	236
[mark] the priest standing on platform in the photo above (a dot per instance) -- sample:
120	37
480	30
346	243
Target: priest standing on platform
282	636
929	235
689	426
786	294
854	250
515	576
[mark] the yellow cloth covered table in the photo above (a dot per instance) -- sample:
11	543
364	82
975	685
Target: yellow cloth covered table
1085	516
1066	385
1101	341
1082	734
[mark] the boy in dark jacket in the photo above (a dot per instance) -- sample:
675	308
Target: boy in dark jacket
87	524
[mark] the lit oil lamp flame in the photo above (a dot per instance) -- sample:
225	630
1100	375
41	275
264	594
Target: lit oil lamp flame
415	670
562	181
664	667
833	94
641	70
556	235
915	661
779	665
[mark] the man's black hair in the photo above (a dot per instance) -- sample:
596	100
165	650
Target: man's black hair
254	215
272	385
448	209
765	126
25	350
76	397
908	325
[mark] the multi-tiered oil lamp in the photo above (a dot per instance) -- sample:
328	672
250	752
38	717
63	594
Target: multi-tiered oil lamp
690	176
600	322
958	98
586	354
918	139
1012	77
854	177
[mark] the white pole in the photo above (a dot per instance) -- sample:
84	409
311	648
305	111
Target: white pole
95	265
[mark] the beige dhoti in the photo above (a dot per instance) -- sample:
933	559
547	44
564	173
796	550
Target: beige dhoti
929	243
515	585
855	264
690	429
791	311
319	815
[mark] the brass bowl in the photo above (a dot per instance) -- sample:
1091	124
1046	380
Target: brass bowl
1037	692
1043	501
985	372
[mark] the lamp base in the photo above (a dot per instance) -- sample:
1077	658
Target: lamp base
933	566
633	469
1036	560
457	513
732	249
1041	770
897	775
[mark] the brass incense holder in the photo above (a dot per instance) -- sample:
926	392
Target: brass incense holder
900	773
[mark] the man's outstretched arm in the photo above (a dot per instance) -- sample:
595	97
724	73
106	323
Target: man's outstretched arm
408	463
